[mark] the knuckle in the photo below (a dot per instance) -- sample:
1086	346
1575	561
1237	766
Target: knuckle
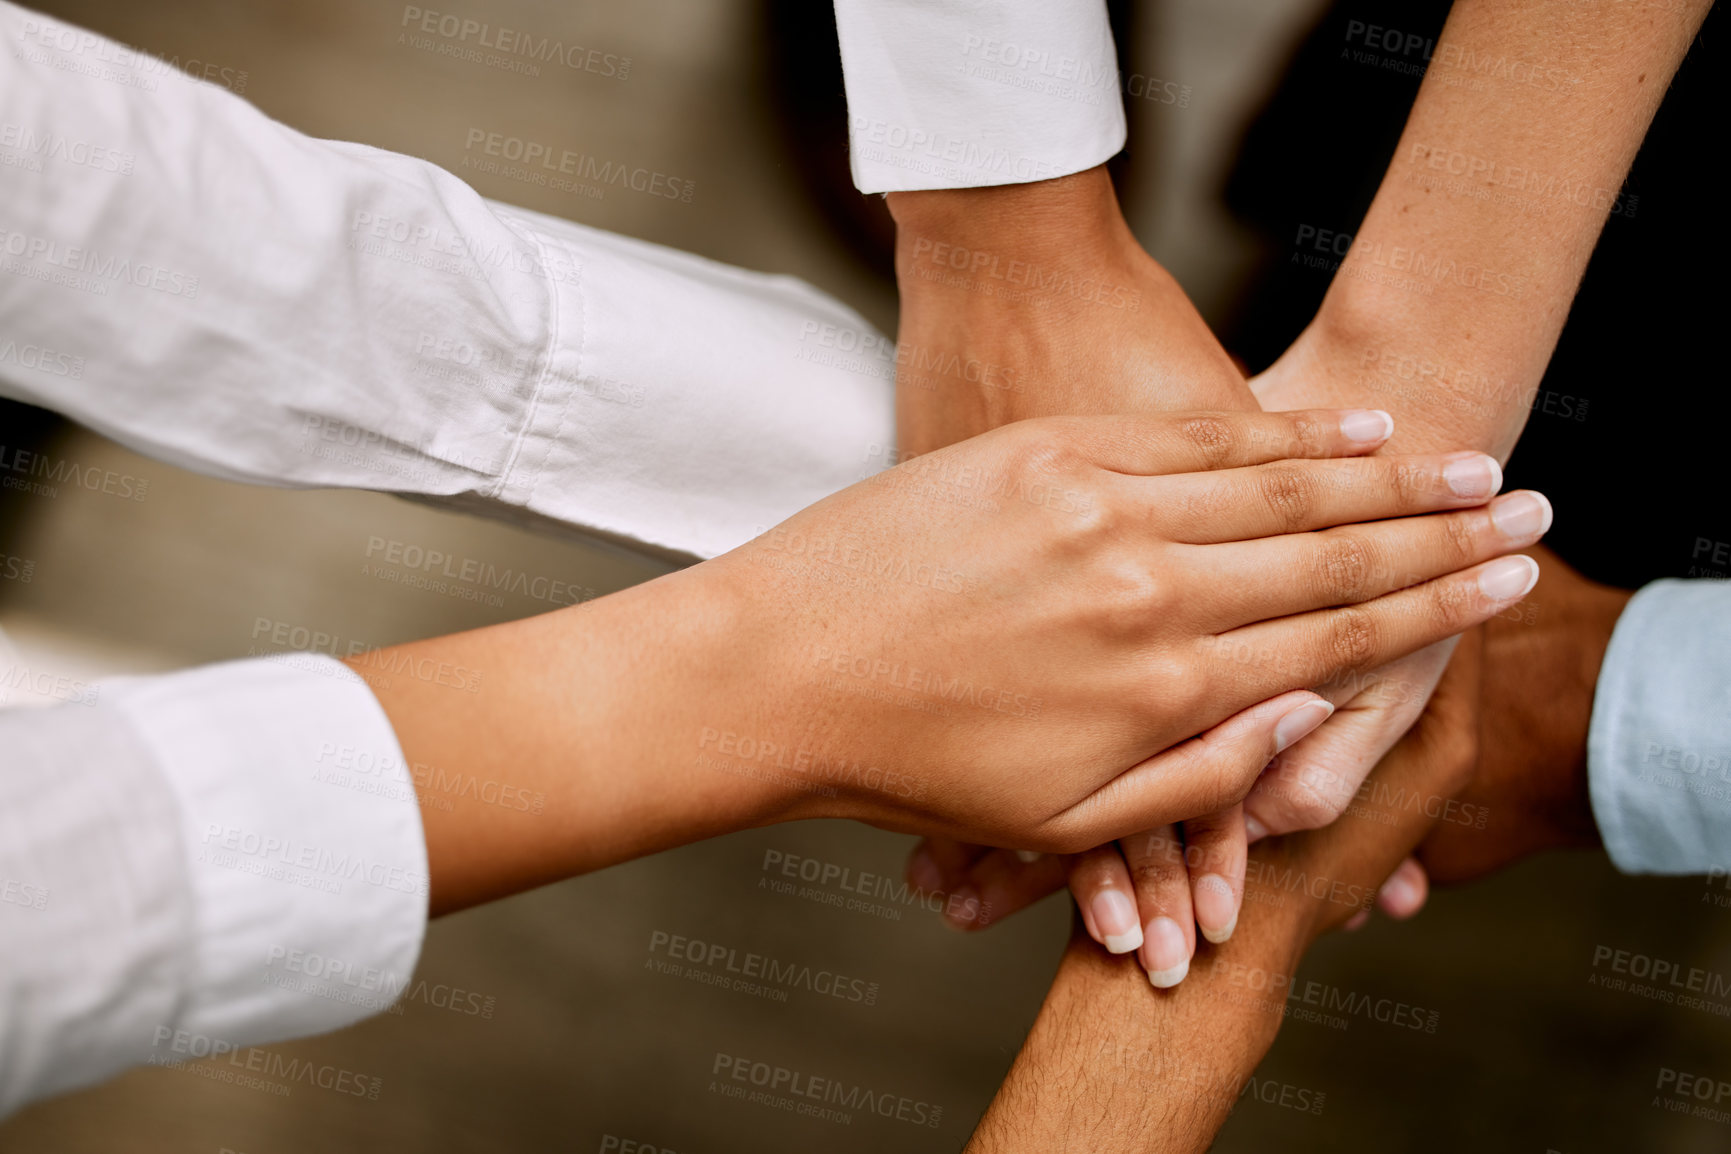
1043	449
1459	539
1352	638
1344	565
1311	437
1213	437
1290	495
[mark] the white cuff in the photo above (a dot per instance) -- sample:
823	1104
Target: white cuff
308	883
1659	746
965	95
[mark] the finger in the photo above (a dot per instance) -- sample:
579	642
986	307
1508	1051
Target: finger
1260	660
1300	496
1356	921
999	884
1355	563
1156	862
1317	779
1215	849
1202	775
1101	884
1151	444
942	863
1405	892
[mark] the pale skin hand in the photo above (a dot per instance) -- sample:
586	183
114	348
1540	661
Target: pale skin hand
1477	341
814	671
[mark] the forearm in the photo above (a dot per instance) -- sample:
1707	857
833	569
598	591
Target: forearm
587	723
1449	302
1114	1065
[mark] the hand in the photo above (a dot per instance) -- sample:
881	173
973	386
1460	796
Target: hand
1112	1065
1110	605
1036	300
989	334
1528	792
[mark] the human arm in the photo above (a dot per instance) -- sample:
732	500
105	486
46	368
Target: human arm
893	654
1111	1064
1606	723
214	289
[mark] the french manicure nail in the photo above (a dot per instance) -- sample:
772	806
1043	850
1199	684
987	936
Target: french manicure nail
965	902
1254	831
1522	516
1164	954
1367	426
1027	856
1299	722
1508	578
1216	912
1115	917
1399	892
1473	475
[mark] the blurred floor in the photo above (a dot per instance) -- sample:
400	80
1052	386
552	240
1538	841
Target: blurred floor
572	1036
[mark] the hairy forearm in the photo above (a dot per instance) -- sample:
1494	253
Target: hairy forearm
1448	304
1113	1064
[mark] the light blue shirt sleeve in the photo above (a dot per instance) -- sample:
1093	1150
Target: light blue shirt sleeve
1659	748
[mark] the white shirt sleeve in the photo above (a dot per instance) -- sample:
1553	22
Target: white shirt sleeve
968	93
187	868
210	287
1659	747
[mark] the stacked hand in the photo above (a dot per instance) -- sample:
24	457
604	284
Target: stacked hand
1043	290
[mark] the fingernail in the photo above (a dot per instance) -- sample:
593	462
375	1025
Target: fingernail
1216	912
1254	830
1027	856
1508	578
963	908
1164	954
1400	892
1115	918
1522	516
1367	426
923	870
1473	475
1356	921
1299	722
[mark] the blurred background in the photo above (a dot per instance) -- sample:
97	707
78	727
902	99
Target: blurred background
541	1025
